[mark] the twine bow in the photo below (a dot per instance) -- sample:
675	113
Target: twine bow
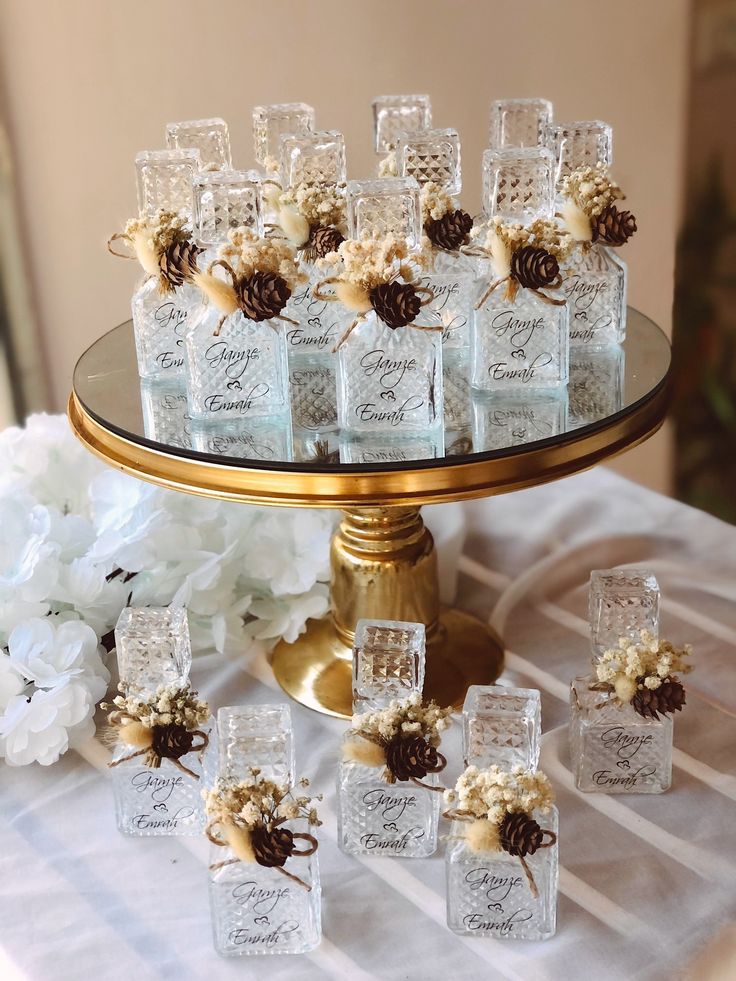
405	757
259	297
158	742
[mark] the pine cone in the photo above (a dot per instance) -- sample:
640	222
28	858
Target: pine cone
397	304
520	834
669	697
171	742
411	756
178	263
450	231
324	240
263	295
271	848
612	226
533	267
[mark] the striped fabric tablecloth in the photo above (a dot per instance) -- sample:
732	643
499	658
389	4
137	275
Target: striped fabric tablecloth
647	884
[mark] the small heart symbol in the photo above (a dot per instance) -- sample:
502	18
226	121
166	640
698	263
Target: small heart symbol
161	807
318	391
235	385
262	920
581	315
388	396
391	826
518	433
624	764
520	353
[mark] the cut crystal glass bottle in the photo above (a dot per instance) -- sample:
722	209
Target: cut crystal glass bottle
513	420
394	114
313	158
501	726
210	136
580	144
385	206
377	449
519	123
272	122
622	603
320	322
488	894
242	371
153	649
388	662
518	184
313	387
262	438
224	200
164	179
256	736
613	749
596	385
431	156
165	412
455	282
390	381
160	324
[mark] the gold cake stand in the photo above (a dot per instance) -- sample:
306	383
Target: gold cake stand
384	564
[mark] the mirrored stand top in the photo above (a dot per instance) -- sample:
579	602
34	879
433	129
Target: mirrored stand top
615	398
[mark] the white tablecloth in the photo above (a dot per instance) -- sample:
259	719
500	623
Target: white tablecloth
647	883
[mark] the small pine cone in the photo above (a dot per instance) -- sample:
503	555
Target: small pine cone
520	834
612	226
170	742
450	231
324	240
650	702
397	304
271	848
263	295
533	267
178	263
411	756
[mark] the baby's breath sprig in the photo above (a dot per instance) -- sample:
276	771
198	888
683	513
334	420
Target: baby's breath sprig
644	674
163	246
588	211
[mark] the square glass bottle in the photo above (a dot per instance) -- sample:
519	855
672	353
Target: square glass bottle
385	206
585	143
224	200
431	155
455	282
210	136
596	385
240	371
313	158
519	122
165	412
390	381
394	114
164	179
488	894
261	438
388	662
501	726
153	649
272	122
160	324
313	388
513	420
613	749
255	736
621	603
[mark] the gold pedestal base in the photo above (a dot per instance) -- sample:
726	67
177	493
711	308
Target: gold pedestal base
384	567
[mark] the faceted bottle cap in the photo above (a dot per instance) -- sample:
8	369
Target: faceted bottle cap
580	144
270	123
518	184
256	736
223	200
313	158
519	123
394	114
165	180
386	206
431	155
152	645
210	136
388	662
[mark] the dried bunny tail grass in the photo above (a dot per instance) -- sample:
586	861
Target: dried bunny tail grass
500	251
239	839
364	752
354	296
576	222
294	225
135	734
219	293
482	835
145	252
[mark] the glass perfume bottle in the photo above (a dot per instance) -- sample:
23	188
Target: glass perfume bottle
594	275
210	136
385	206
456	283
519	123
313	387
237	371
313	158
390	381
431	155
164	180
394	114
163	798
165	412
489	894
257	909
502	726
262	438
596	385
376	449
622	603
613	749
388	662
519	341
513	420
272	122
225	200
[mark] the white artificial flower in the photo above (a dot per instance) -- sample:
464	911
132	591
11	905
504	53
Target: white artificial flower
286	616
36	729
291	550
11	682
49	655
28	558
83	587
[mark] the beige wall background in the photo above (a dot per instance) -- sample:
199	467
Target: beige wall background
87	84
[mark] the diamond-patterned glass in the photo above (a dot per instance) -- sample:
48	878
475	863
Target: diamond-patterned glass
313	158
518	184
580	144
516	419
152	646
621	603
270	123
394	114
255	736
519	122
388	662
226	199
210	136
387	206
501	726
431	155
596	385
164	179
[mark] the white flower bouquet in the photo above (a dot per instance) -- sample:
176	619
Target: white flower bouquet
79	541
